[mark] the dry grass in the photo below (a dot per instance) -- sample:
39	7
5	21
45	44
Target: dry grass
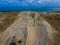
6	19
54	20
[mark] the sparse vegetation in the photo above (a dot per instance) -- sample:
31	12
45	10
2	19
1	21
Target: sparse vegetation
6	19
34	19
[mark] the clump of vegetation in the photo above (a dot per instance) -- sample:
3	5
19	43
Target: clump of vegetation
54	20
6	19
